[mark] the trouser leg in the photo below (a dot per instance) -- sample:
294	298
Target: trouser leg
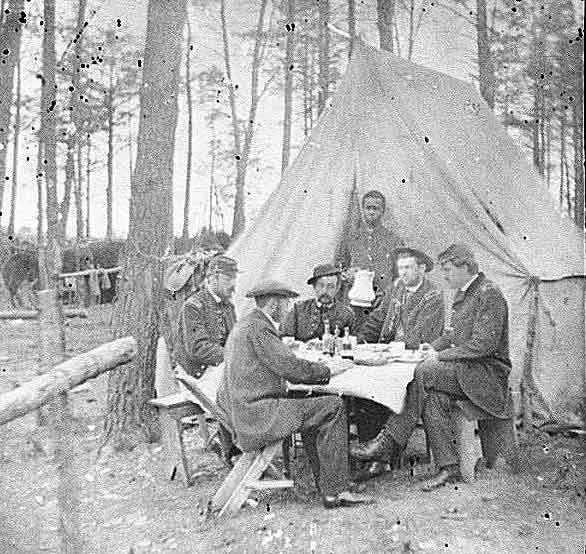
370	418
439	429
326	430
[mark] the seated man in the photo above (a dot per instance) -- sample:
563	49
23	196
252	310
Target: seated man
468	361
206	318
253	394
305	320
411	311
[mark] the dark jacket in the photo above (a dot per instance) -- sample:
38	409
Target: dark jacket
202	330
478	343
305	320
373	251
414	318
253	387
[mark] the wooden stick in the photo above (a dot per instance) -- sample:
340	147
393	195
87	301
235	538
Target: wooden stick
88	271
33	314
64	377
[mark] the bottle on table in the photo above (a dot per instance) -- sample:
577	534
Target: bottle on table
335	344
346	350
326	337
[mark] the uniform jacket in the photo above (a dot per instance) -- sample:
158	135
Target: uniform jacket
305	320
478	344
415	319
202	329
373	251
253	387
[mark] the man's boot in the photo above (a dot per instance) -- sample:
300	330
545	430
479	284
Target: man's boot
382	447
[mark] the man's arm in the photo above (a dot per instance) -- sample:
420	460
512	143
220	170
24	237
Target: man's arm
195	338
371	329
429	321
277	357
487	329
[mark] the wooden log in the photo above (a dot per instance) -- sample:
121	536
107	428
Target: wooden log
64	377
34	314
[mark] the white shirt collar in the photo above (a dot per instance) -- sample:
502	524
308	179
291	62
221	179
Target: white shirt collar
414	289
467	285
213	294
275	324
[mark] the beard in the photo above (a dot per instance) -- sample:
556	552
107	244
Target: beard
325	299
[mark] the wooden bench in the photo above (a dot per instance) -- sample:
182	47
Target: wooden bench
497	438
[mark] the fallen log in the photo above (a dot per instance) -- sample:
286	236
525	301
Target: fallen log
34	314
65	376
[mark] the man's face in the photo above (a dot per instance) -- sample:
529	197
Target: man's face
410	272
372	210
224	285
280	308
456	277
325	289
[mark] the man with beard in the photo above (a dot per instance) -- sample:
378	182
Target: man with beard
306	320
412	311
206	318
253	394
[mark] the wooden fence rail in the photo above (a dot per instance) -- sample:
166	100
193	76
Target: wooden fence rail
89	271
34	314
65	376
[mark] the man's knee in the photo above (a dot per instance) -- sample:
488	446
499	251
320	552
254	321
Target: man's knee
436	402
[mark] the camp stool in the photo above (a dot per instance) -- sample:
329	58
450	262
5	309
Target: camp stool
246	474
174	406
497	438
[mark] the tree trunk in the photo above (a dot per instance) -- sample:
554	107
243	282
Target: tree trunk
15	150
385	15
562	157
239	218
87	185
10	35
486	75
130	154
110	186
140	302
578	139
186	204
39	180
288	93
79	227
351	25
411	30
306	80
324	54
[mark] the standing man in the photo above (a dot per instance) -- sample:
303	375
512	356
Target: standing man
253	394
371	246
305	320
206	318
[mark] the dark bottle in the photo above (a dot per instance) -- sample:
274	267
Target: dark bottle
346	350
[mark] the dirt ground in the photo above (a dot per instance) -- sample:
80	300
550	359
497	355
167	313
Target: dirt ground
129	505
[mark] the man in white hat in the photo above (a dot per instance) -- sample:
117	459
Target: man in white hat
253	394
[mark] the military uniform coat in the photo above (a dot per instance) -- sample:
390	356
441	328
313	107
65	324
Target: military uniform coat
202	330
478	345
373	250
305	320
253	388
414	318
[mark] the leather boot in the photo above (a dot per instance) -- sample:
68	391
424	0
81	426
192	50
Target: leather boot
381	447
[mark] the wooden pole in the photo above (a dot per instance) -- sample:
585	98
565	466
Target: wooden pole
527	384
33	314
65	376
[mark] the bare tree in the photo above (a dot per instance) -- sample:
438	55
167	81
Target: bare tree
15	150
87	184
110	108
324	54
385	18
243	139
10	36
486	75
186	203
351	25
288	68
140	303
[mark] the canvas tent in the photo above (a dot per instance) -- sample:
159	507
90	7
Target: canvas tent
450	173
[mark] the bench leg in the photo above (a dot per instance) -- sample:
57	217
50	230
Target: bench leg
174	447
467	445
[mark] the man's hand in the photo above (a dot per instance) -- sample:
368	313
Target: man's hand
429	353
350	273
339	366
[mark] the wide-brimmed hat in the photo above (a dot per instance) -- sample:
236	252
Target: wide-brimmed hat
271	288
420	256
457	251
323	270
222	264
